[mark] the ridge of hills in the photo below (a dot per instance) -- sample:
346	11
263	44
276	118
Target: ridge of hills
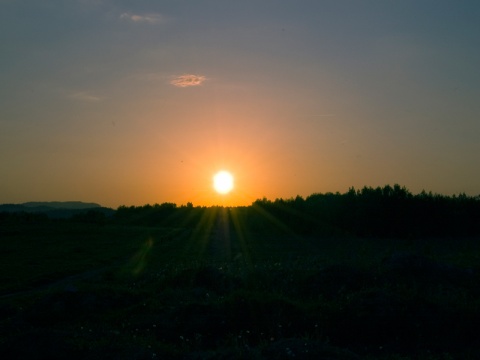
54	209
61	204
34	206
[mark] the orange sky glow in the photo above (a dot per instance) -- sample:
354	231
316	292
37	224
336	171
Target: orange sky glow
143	103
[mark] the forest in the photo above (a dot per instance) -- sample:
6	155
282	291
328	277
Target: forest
379	212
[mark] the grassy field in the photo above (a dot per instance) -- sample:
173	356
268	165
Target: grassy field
83	291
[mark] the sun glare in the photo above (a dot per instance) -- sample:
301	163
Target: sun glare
223	182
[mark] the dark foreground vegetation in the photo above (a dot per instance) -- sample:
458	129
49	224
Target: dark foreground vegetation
371	274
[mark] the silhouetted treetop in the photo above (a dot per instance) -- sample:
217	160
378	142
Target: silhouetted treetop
389	211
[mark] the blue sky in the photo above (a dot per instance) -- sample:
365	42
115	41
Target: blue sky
133	102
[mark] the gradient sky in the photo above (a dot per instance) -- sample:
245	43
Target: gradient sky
136	102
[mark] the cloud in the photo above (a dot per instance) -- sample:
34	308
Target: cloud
84	96
188	80
151	18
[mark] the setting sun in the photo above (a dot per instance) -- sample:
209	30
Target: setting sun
223	182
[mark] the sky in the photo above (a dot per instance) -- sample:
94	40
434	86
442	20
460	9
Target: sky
142	102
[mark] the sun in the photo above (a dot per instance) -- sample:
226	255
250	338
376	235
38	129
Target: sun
223	182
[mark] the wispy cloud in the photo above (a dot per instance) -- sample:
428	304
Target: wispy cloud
188	80
84	96
150	18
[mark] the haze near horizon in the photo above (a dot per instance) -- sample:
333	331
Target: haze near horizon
129	103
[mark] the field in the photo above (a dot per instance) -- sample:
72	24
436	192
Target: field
105	291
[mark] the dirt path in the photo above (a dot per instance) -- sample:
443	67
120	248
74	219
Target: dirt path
66	282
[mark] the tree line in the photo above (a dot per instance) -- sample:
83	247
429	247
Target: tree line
368	212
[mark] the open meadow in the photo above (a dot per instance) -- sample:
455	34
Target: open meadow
82	290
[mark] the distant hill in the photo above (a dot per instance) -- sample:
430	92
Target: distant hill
61	204
55	209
